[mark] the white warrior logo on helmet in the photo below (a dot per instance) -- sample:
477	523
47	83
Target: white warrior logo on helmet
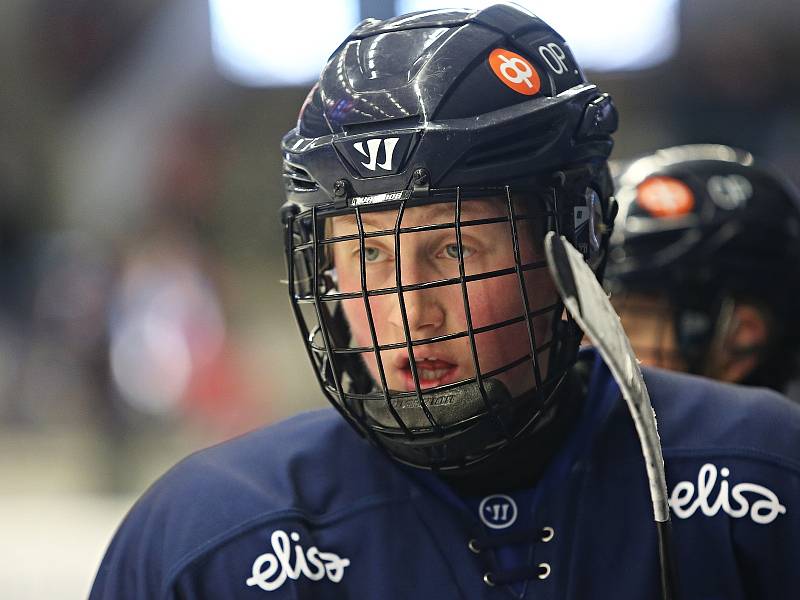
373	147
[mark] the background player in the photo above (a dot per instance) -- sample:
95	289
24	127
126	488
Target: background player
427	163
705	265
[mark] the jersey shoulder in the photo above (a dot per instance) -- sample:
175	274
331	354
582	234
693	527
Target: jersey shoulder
700	414
293	466
288	471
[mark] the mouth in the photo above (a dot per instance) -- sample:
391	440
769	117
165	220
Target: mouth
432	372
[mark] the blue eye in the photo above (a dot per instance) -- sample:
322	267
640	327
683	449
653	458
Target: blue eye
371	254
451	251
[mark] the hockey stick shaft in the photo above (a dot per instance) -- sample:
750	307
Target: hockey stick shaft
588	304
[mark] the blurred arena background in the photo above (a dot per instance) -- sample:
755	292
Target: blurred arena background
141	311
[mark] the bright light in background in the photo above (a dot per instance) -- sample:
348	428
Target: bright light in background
166	324
619	35
151	364
265	43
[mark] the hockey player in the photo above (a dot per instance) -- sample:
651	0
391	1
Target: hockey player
705	264
475	453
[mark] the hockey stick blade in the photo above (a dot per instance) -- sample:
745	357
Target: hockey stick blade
588	304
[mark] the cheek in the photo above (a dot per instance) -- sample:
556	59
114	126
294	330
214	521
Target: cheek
653	340
349	280
638	331
357	320
643	330
491	302
356	314
500	299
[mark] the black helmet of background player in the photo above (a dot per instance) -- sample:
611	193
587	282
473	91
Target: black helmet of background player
716	236
441	106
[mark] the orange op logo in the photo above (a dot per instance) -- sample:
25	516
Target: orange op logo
663	196
515	71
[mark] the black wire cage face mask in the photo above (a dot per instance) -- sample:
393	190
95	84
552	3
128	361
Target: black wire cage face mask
431	322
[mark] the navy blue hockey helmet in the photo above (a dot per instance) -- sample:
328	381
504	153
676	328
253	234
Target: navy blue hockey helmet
703	225
442	107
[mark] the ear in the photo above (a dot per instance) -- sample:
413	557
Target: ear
744	341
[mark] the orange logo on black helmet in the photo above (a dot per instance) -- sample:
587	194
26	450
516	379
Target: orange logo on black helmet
515	71
663	196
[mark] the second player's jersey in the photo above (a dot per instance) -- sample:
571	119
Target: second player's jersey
307	509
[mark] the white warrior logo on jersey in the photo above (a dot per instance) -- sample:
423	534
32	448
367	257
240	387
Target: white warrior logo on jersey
271	569
498	511
730	499
373	147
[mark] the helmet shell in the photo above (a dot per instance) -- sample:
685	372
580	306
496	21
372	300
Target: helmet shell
419	92
710	215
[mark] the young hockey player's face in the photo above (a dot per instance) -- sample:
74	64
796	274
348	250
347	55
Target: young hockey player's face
649	322
732	356
437	311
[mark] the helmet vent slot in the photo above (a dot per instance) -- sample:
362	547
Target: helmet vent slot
383	126
514	146
298	179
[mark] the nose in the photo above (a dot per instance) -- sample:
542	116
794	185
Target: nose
424	311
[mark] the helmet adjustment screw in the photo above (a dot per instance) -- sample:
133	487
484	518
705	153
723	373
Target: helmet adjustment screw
420	182
340	188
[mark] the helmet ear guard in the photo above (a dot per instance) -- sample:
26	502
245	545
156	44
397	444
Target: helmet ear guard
593	212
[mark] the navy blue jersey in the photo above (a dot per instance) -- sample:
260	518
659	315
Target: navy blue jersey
307	509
